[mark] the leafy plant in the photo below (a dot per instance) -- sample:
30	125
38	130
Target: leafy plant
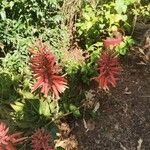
88	70
123	47
24	21
141	10
72	61
21	23
101	19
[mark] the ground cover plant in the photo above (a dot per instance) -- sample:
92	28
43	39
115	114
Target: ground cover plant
60	60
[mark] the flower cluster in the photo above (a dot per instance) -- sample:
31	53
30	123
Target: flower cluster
109	69
7	141
46	71
41	140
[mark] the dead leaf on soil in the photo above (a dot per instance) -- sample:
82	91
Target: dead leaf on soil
64	130
126	91
68	143
96	107
89	101
141	63
89	124
139	144
141	51
122	146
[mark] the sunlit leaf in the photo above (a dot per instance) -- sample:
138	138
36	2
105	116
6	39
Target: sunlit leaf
17	106
74	110
44	108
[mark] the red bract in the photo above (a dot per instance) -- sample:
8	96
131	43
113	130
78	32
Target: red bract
41	140
7	141
112	42
45	70
109	69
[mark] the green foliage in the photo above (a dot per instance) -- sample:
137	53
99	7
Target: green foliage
7	86
23	21
48	108
72	67
101	20
141	10
71	100
122	49
88	70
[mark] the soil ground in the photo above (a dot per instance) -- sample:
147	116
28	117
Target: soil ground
123	117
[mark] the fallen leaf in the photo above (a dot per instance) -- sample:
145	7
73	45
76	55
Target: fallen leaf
139	144
89	125
126	91
97	105
68	143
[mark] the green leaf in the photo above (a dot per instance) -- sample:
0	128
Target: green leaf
86	16
18	106
128	2
89	25
74	110
44	108
60	148
11	4
3	14
28	95
120	6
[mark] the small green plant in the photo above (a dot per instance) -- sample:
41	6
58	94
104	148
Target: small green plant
21	22
88	70
123	47
141	10
72	61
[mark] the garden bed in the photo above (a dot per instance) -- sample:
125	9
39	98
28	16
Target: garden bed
122	121
74	75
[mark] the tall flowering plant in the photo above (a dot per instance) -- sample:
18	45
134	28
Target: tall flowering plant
46	71
109	69
7	141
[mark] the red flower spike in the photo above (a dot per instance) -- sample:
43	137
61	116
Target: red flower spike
109	69
7	141
45	70
112	42
41	140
